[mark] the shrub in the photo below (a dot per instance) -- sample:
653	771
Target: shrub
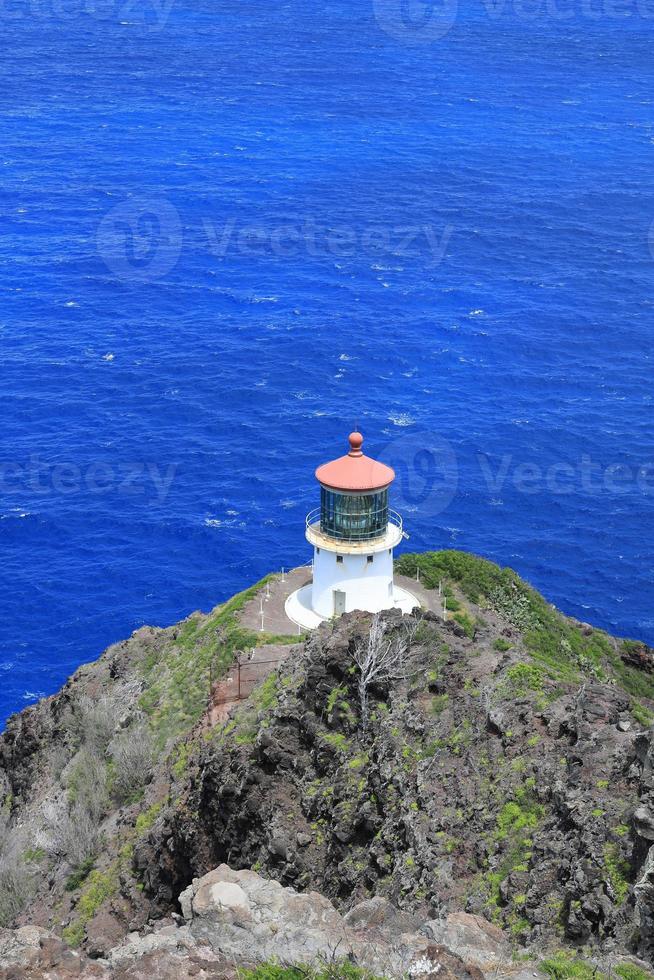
617	869
502	645
525	677
628	971
467	623
439	703
642	715
131	754
79	876
78	835
514	605
332	970
16	878
99	887
565	966
86	781
94	722
16	886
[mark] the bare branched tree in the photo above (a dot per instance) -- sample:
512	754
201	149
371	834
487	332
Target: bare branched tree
381	657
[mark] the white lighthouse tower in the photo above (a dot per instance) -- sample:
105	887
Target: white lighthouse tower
353	534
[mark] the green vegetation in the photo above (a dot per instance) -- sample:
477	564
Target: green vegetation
439	703
516	816
642	715
79	876
177	679
564	652
628	971
617	870
336	740
467	623
525	677
476	576
99	887
266	695
335	695
564	965
146	820
501	644
332	970
515	823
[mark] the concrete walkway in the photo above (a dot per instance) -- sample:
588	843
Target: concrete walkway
272	600
429	598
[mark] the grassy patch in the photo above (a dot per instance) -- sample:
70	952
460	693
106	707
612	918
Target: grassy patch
146	820
628	971
99	887
467	623
177	677
439	703
617	870
79	876
331	970
564	965
525	677
642	715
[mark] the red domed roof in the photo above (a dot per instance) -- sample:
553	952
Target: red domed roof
355	472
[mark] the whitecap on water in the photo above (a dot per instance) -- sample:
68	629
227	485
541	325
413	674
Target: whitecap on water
108	357
402	420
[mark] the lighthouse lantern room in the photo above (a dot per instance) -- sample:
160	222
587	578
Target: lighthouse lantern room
353	534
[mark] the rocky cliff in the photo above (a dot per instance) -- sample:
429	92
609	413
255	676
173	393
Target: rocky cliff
503	769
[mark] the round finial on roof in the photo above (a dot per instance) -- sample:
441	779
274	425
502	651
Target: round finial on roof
356	442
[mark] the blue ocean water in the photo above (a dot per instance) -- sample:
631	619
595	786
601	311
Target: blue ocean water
232	230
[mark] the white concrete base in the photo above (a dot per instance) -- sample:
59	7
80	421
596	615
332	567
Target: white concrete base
299	611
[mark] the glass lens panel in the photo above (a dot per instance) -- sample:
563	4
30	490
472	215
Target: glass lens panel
354	517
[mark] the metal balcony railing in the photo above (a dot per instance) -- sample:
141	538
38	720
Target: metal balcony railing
351	534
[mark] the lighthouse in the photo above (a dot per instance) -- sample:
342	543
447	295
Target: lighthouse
353	534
